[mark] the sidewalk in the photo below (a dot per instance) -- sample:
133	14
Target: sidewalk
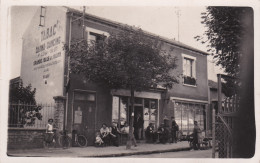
110	151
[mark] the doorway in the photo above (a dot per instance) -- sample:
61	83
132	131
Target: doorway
84	119
138	122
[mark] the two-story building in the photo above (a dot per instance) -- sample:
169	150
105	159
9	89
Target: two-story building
45	66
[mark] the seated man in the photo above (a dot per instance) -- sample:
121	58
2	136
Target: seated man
149	133
163	134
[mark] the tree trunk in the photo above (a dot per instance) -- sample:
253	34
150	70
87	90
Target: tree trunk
129	141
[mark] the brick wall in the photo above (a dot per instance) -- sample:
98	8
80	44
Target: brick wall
25	138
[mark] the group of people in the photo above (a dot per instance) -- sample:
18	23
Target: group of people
110	135
164	133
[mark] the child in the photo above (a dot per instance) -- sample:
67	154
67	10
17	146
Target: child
98	141
49	132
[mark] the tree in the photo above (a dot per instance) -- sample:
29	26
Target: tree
128	59
224	36
230	38
24	110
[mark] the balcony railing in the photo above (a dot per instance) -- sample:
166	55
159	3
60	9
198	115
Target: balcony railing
189	80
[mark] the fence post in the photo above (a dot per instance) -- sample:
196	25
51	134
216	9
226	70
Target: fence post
59	110
213	133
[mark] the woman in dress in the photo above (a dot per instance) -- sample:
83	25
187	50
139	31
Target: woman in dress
105	132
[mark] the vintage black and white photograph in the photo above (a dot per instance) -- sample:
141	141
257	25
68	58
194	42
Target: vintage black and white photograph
131	81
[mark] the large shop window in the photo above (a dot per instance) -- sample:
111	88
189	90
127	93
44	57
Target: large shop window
189	70
187	113
119	112
148	108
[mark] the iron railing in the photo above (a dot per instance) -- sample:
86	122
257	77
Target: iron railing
22	115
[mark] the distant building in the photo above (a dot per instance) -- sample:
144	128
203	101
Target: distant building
15	82
45	66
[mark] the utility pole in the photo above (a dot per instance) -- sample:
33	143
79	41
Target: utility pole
83	22
178	13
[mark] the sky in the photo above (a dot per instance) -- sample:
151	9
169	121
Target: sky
160	20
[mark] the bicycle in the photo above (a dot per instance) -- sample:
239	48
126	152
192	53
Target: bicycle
50	140
80	139
64	140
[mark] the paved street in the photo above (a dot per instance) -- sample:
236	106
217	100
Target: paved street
110	151
180	154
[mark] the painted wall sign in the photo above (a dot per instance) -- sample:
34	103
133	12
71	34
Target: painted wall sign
43	56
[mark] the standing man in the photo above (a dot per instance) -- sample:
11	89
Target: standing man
138	126
196	136
174	130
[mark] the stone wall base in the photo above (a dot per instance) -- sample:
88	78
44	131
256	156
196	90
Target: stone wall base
25	138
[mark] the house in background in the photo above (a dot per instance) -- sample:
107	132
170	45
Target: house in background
84	104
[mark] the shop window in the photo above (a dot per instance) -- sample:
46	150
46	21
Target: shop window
178	114
119	110
191	117
123	110
120	113
150	111
187	113
115	109
189	70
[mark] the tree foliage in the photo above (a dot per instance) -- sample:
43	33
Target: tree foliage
23	110
224	35
123	60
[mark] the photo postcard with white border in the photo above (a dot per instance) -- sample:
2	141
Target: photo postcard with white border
141	81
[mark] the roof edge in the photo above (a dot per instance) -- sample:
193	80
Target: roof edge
114	23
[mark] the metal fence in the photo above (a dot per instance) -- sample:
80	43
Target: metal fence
223	123
21	115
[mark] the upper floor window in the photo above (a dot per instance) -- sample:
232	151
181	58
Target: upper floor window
95	35
189	70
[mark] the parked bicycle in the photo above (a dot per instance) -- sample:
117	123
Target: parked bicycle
64	139
58	139
80	139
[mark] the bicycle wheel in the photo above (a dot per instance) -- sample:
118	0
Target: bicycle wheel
64	141
82	141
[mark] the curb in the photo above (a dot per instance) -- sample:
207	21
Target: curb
141	152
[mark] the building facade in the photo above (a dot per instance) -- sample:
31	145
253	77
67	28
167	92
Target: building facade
86	105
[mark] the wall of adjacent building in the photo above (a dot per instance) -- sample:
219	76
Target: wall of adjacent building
43	55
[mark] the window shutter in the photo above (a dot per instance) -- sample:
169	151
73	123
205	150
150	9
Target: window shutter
194	69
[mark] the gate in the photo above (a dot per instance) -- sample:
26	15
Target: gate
223	122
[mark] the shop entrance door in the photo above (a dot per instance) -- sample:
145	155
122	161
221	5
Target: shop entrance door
84	117
139	110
